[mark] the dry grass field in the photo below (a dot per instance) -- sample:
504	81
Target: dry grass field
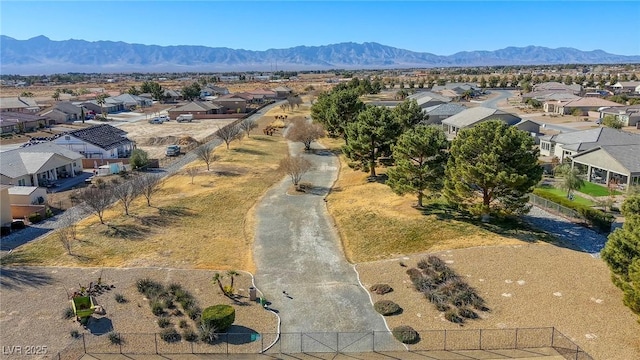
524	285
375	223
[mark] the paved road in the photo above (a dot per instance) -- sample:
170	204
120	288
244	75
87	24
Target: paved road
297	250
579	237
77	213
502	94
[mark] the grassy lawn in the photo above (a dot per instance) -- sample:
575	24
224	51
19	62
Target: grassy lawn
592	189
559	192
375	223
205	225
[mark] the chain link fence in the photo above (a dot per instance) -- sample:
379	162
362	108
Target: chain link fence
510	342
550	205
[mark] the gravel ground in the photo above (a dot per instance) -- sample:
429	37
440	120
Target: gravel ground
576	236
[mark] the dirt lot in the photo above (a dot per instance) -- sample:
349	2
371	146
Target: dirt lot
527	285
154	138
39	321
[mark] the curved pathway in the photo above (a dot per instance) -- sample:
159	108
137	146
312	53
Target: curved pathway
302	270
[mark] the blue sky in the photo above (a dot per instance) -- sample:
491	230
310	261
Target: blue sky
442	28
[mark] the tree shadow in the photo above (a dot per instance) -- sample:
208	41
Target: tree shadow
322	152
15	278
154	220
175	211
125	231
22	236
263	138
226	173
249	151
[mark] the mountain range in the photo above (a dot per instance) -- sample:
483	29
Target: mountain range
40	55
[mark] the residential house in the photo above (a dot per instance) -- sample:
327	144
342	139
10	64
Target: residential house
567	144
27	195
231	104
610	164
98	142
473	116
574	89
64	111
200	109
110	106
531	127
628	115
212	90
581	106
457	91
38	164
439	112
172	96
282	92
549	95
130	102
268	94
19	104
251	98
16	122
5	206
626	87
426	99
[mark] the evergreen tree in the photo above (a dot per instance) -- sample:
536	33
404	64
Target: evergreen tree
493	161
374	130
408	113
420	155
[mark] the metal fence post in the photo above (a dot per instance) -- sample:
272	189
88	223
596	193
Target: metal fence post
227	342
480	339
445	340
516	344
155	339
84	344
373	341
553	330
301	349
337	342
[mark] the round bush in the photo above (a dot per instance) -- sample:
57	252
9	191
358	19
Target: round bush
170	335
381	289
386	307
405	334
219	316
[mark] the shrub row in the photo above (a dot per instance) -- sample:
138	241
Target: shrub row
446	290
596	218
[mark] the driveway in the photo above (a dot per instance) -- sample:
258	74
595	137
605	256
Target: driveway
301	267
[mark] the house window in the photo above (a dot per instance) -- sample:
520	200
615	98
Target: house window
546	146
67	137
21	182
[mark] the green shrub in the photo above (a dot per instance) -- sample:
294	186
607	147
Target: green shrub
74	334
149	288
167	301
120	298
156	308
386	307
405	334
174	288
189	335
164	321
597	218
194	312
381	289
219	316
170	335
467	313
183	324
414	274
68	313
452	315
115	338
35	218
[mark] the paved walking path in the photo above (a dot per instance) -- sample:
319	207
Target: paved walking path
302	270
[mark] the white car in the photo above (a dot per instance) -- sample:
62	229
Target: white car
164	117
156	121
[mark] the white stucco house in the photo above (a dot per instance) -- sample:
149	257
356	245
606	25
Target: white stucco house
98	142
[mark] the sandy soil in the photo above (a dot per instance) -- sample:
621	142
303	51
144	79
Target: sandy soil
33	300
154	138
524	286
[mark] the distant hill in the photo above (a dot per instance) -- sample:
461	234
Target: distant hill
40	55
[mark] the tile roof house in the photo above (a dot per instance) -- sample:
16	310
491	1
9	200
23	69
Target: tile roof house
583	105
38	164
549	95
133	101
110	106
19	104
231	104
611	163
629	115
567	144
98	142
17	122
63	111
437	113
428	98
201	108
473	116
282	92
269	94
622	87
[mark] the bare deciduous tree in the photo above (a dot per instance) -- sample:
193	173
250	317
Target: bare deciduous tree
147	185
192	172
125	193
305	132
97	200
294	100
247	125
66	233
205	153
229	133
295	167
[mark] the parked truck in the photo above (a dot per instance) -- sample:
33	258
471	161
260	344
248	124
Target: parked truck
173	150
184	118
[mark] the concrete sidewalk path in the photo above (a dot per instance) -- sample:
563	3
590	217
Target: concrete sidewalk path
301	268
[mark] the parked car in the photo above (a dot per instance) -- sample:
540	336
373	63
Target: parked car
164	117
184	118
173	150
156	121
